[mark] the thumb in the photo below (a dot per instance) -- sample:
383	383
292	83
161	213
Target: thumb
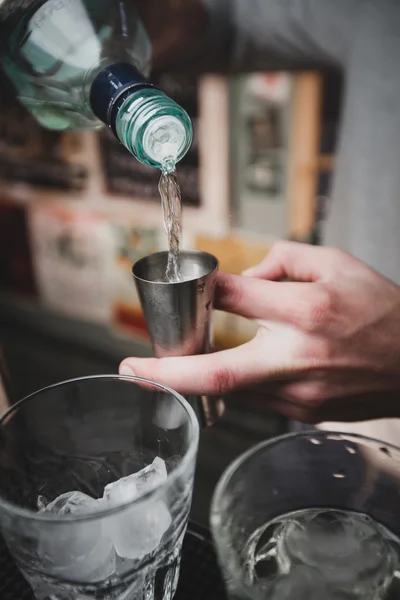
210	374
295	261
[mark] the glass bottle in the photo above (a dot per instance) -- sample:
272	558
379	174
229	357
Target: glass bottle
78	64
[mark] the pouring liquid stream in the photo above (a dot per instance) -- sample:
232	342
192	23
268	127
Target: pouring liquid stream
170	193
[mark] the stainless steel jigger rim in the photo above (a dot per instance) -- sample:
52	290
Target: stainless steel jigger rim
183	253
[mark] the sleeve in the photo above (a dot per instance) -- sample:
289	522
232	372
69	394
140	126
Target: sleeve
266	35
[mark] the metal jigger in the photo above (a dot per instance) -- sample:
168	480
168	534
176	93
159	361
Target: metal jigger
178	314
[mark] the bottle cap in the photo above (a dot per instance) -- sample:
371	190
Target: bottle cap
109	89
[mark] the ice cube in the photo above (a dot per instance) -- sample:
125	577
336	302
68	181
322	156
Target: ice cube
138	529
347	549
151	477
82	551
138	484
72	503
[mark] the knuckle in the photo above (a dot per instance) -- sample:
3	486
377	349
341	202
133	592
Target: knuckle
220	381
318	311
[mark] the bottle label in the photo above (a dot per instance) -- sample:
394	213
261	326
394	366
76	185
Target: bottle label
47	10
61	34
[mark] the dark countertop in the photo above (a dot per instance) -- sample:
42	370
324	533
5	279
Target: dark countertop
42	348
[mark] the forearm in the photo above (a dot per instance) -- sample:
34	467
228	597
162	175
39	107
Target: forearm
265	35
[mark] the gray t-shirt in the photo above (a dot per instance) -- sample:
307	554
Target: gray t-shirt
362	37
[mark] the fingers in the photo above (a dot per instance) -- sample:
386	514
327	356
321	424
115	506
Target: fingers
304	305
210	374
299	262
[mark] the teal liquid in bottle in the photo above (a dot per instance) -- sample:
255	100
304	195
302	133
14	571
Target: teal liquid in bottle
79	64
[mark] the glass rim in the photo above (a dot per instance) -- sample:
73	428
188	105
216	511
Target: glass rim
189	456
245	456
242	459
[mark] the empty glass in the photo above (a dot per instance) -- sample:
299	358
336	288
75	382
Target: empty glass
96	478
310	516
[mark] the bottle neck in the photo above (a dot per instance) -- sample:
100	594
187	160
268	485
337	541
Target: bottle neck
111	86
154	128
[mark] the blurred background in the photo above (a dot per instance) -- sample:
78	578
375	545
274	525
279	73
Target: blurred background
76	210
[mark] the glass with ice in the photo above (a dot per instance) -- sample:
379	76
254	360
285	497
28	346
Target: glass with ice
311	516
96	478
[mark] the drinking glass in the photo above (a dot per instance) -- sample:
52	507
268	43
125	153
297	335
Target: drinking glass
121	542
309	516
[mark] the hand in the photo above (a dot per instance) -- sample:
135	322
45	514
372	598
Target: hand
174	26
328	345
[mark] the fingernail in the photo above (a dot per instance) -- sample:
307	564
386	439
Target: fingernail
247	272
126	370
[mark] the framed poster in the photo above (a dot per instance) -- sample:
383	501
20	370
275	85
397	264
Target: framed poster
72	253
261	106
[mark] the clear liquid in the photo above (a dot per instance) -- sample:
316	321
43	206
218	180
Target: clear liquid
170	193
322	554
